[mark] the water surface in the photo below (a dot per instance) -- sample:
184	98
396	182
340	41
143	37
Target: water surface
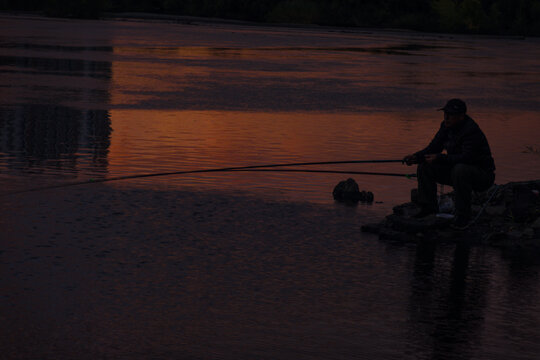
248	265
102	98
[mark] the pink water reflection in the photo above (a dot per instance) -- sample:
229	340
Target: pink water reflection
146	141
183	97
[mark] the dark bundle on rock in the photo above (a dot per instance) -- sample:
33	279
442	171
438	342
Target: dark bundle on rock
348	191
524	205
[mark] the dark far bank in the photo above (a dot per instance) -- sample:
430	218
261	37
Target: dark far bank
496	17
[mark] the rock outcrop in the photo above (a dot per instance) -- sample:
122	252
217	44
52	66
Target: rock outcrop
505	216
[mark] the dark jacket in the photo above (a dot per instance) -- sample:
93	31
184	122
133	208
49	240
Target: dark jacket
465	144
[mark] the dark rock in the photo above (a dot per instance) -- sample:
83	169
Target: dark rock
494	237
394	235
528	233
515	234
412	225
363	195
480	197
373	228
536	223
494	222
347	191
369	197
507	195
495	210
407	209
522	205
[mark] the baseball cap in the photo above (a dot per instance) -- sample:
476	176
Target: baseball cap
455	106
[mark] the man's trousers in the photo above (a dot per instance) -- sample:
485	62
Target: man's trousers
463	178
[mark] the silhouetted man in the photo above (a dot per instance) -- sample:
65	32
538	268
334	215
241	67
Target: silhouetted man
467	164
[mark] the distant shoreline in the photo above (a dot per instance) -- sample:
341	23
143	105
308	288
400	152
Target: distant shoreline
197	20
493	17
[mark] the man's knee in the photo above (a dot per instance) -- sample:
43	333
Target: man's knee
471	176
462	173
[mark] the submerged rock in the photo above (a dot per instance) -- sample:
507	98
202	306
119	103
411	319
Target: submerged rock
369	197
348	191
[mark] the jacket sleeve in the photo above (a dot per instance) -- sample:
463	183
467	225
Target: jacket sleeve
469	154
435	146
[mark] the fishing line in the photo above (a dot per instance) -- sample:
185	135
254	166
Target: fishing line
225	169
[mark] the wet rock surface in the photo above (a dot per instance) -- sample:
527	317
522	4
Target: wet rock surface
506	216
347	191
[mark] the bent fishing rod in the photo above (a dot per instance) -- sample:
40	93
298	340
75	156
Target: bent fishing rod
265	167
328	172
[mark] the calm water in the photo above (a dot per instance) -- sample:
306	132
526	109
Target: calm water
94	99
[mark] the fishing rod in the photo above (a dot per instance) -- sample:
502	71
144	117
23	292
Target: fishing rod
409	176
224	169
